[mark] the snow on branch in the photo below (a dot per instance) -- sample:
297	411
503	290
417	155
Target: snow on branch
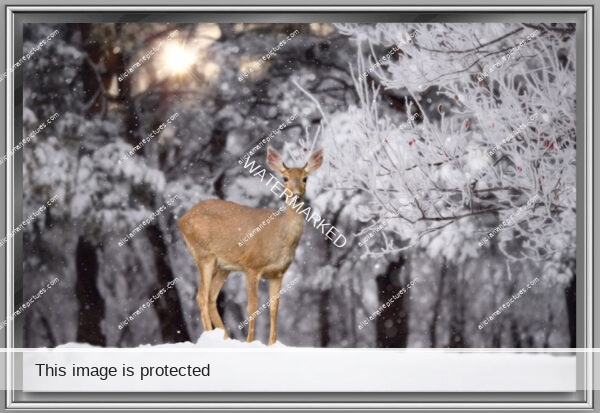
494	127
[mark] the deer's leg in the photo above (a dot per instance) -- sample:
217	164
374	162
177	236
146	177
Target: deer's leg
274	289
252	279
215	287
206	268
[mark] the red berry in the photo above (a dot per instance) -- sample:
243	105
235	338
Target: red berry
551	146
545	143
467	124
519	169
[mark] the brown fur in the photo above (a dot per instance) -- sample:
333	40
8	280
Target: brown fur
213	228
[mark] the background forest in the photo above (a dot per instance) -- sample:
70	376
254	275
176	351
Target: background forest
317	78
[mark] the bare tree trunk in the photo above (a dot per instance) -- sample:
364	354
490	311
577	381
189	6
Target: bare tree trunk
456	336
515	333
91	303
48	328
238	313
497	336
351	309
219	186
548	329
392	323
437	305
168	308
571	304
38	329
324	300
325	294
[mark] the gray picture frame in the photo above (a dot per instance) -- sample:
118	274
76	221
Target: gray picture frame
16	13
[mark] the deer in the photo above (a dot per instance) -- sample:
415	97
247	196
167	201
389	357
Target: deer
212	228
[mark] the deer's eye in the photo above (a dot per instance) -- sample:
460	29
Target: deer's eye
285	179
304	179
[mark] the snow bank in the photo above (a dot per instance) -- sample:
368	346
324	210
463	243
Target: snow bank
208	339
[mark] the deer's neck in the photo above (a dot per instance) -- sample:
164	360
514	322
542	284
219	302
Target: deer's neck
294	222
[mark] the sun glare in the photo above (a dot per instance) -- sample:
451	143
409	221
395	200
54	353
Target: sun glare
177	59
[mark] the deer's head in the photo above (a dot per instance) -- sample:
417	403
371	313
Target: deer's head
294	179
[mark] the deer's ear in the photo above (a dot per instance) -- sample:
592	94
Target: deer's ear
275	161
314	162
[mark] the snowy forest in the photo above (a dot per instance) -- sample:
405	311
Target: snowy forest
448	165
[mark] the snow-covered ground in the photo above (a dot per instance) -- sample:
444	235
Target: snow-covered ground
240	366
210	339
